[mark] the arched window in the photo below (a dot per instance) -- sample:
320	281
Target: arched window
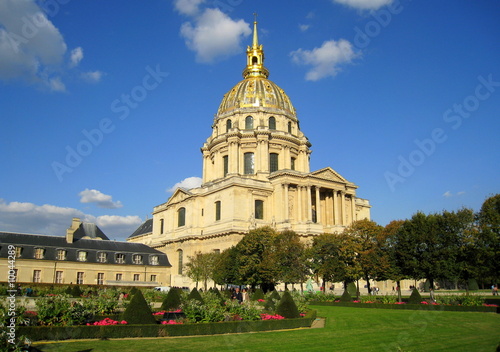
229	125
273	162
179	263
249	123
217	210
248	164
181	217
272	123
289	127
255	61
259	209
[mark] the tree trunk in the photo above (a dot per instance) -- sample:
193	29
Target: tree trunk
368	285
398	286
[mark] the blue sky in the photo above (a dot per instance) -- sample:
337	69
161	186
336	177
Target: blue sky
104	105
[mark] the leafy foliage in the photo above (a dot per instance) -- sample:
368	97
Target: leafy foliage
287	307
173	300
201	267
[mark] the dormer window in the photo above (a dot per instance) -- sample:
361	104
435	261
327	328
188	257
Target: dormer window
137	258
82	256
39	253
154	260
61	254
120	258
102	257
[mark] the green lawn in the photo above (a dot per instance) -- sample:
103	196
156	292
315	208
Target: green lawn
347	329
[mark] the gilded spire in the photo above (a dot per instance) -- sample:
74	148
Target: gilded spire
255	57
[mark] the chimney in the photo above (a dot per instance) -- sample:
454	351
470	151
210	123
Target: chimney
75	224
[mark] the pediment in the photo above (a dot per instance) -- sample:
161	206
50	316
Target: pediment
329	174
180	194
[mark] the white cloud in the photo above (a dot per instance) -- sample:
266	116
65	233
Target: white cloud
364	4
31	47
326	59
92	76
75	57
188	7
449	194
100	199
53	220
188	183
214	35
304	27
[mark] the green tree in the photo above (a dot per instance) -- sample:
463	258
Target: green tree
392	247
201	267
489	238
255	253
366	237
226	268
290	258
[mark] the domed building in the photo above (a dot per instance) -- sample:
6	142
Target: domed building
255	173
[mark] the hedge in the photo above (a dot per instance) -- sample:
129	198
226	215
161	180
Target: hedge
432	307
39	333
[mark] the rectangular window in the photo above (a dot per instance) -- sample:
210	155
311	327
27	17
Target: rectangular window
118	277
153	278
61	254
292	164
39	252
79	278
137	259
225	160
102	257
136	277
217	210
59	277
161	225
100	278
120	258
179	263
82	256
248	164
181	217
37	276
217	251
259	209
273	162
153	260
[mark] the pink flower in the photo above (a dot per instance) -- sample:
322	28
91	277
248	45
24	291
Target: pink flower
400	303
424	302
159	313
170	322
271	317
261	300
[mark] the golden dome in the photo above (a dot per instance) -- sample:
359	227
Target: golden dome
256	91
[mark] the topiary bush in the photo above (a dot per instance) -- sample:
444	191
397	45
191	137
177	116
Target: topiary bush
258	294
76	291
472	285
194	294
415	297
275	295
270	305
138	311
346	297
287	307
172	301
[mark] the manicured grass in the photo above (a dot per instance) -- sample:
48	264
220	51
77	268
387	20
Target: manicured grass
347	329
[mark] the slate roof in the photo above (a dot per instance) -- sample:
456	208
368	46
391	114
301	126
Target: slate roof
52	244
146	227
89	229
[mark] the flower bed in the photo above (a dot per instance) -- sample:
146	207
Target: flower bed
39	333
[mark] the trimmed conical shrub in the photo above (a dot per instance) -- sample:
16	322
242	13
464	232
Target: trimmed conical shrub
346	297
69	290
133	291
275	295
172	301
270	305
258	294
415	297
287	307
138	311
76	291
194	294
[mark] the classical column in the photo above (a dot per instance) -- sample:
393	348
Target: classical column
299	201
286	205
309	204
318	205
342	208
353	209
